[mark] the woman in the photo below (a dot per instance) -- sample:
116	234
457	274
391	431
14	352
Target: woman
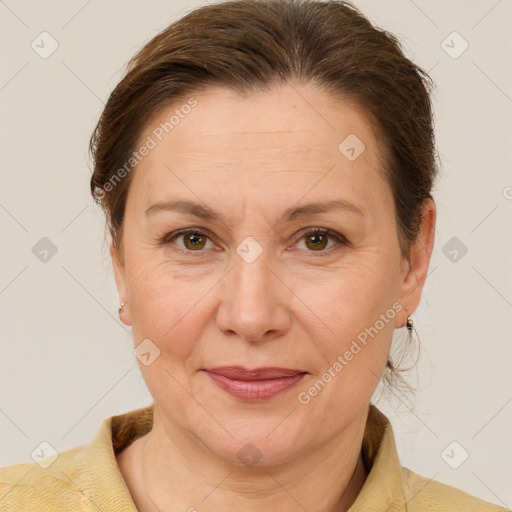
265	168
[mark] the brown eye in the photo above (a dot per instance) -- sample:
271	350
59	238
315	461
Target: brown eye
191	240
194	241
316	241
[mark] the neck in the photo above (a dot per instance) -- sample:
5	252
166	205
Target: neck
178	473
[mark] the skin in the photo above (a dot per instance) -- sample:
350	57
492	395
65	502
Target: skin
250	159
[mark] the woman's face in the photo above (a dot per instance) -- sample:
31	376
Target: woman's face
253	286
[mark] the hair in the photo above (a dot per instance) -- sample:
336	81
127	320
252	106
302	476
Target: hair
253	45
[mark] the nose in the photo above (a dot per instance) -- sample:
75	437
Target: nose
254	302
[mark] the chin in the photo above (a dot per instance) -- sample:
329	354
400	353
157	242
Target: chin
258	449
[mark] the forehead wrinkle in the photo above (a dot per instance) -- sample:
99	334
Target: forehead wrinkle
259	132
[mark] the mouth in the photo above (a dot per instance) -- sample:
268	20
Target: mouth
255	385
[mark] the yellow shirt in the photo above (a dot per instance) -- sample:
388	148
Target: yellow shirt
87	478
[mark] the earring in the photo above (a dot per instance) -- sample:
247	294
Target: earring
120	309
409	323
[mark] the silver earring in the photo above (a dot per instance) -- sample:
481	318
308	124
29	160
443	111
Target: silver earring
409	324
120	309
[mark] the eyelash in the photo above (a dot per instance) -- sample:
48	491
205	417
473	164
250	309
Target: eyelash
314	231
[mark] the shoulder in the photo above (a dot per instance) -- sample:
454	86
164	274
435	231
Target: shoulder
425	494
50	484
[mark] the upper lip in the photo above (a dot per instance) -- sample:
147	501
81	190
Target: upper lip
241	373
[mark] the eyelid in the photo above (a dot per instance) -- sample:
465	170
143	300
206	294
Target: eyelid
331	234
341	239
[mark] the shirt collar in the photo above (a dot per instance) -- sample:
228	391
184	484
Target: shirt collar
383	489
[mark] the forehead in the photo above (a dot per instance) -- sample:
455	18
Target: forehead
281	141
298	117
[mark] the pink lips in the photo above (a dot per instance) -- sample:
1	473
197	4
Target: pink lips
254	385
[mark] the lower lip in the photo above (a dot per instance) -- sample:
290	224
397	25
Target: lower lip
255	390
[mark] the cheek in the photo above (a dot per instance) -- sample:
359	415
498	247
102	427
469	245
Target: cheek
353	298
358	311
167	307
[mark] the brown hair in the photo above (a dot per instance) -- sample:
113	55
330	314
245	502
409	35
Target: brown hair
249	45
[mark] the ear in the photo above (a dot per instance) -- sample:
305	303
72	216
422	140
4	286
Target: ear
416	268
120	277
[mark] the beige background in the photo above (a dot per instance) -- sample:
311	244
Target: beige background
66	363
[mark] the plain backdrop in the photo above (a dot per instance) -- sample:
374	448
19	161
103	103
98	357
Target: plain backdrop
67	363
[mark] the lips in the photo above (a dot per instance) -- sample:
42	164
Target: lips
255	385
241	373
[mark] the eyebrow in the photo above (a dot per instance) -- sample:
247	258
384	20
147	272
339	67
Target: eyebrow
293	213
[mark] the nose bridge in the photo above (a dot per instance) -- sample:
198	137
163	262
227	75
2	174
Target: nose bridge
253	300
251	273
